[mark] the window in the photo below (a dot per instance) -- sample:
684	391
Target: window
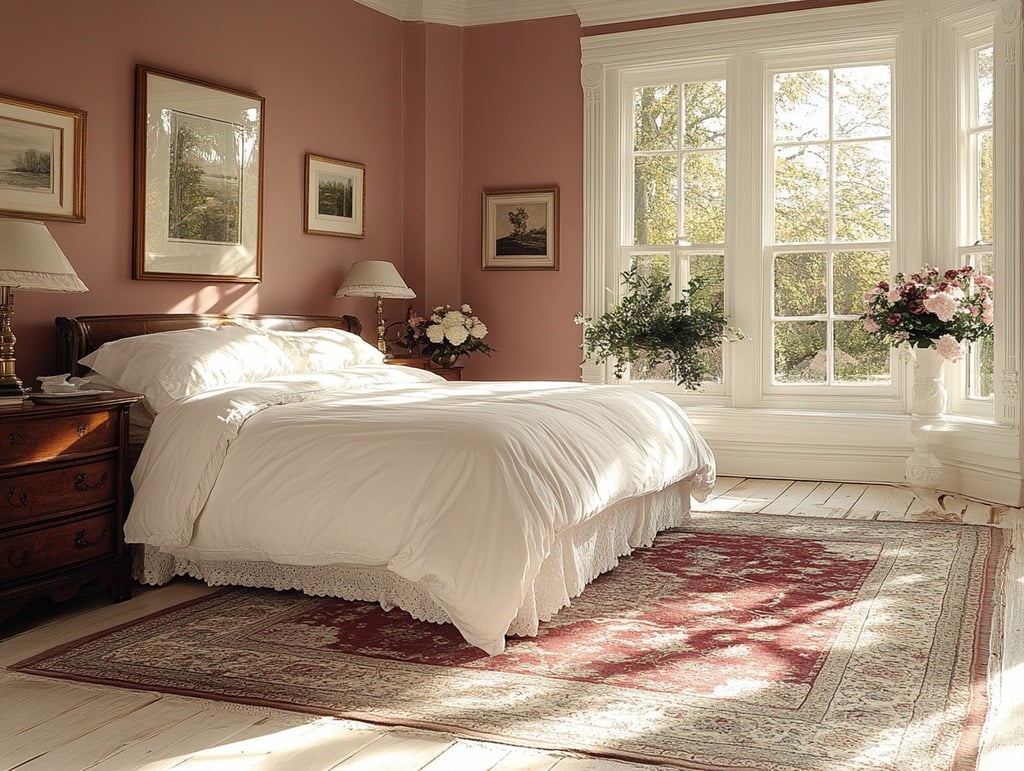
678	162
832	221
977	199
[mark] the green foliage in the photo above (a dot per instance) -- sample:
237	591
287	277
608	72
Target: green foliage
648	329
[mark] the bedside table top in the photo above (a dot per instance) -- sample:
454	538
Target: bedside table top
88	404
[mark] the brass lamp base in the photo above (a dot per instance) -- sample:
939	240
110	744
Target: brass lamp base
382	344
10	383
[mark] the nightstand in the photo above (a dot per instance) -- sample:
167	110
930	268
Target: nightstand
63	499
423	362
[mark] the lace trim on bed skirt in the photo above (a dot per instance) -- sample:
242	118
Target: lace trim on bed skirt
579	555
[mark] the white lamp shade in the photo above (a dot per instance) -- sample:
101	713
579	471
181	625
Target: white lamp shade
31	259
374	278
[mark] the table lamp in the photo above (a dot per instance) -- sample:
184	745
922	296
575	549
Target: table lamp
29	259
375	278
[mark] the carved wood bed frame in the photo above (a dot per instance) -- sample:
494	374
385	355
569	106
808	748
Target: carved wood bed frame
81	335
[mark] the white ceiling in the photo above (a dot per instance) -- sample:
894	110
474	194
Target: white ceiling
468	13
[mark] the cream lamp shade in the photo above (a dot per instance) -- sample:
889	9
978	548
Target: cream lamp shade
375	278
29	259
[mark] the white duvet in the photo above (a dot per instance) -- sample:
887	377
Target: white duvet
458	488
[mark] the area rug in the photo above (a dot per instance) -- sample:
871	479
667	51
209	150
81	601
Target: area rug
738	641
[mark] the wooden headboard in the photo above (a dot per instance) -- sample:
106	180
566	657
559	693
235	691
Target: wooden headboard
82	335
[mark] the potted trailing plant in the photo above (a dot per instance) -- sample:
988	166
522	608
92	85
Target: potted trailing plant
648	328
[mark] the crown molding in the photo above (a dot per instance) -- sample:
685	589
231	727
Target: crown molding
469	13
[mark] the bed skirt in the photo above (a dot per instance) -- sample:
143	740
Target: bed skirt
578	556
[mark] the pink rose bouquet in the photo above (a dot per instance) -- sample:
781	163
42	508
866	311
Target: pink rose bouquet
932	309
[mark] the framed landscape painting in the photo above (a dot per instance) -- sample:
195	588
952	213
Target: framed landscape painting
520	229
42	160
198	180
335	194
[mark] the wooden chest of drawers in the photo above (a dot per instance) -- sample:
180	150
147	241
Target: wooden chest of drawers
63	493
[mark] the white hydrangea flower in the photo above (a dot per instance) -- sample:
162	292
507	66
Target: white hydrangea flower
466	309
456	335
452	319
435	318
478	330
435	333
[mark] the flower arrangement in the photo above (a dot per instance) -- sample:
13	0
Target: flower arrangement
647	327
448	333
931	309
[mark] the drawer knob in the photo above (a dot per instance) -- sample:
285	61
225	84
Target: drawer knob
16	501
82	430
16	560
83	486
14	439
82	542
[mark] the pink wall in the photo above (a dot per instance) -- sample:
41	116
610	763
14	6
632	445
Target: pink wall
331	74
523	127
436	113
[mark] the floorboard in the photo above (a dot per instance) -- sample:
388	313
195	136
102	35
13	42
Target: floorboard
51	725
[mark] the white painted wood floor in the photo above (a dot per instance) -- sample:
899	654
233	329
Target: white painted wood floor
51	725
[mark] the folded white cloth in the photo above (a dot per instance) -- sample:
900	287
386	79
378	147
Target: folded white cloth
63	384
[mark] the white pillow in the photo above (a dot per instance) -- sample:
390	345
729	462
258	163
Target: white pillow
324	348
166	366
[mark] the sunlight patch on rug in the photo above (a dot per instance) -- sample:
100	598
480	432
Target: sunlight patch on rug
736	641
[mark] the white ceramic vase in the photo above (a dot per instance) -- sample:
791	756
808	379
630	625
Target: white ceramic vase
930	397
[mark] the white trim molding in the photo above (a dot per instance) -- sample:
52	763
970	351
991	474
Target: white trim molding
469	13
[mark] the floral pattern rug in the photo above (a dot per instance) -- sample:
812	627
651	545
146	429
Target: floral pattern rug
739	641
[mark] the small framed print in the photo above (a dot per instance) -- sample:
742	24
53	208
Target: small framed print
335	194
520	229
42	160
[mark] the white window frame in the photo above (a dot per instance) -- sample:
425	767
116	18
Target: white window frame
754	431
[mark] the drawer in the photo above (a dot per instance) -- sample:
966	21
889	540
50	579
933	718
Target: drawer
29	441
31	497
66	543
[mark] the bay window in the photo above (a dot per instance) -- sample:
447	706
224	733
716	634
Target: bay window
795	160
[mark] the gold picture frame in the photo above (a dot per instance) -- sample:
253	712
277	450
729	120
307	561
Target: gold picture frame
520	229
335	197
198	180
42	160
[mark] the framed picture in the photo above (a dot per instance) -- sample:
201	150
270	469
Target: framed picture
42	160
335	191
198	180
520	229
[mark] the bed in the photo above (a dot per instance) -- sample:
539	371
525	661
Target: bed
318	467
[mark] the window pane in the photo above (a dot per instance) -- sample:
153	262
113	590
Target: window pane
859	358
863	191
855	273
801	194
705	114
801	106
656	200
863	98
984	74
800	284
985	197
980	355
652	265
710	268
704	197
656	118
799	353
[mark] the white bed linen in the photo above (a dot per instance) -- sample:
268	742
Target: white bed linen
461	489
